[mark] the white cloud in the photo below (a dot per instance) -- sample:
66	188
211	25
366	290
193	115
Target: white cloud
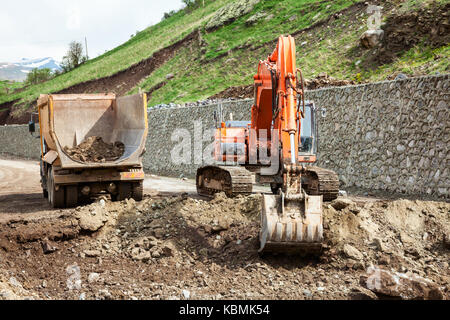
36	29
73	18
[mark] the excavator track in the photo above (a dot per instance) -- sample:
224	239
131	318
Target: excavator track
232	180
323	182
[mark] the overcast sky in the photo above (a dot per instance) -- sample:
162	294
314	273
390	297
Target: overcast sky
44	28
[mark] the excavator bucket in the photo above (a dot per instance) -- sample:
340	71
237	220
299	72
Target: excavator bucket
291	226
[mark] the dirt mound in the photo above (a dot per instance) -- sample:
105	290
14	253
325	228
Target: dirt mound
179	247
241	92
94	149
402	31
322	80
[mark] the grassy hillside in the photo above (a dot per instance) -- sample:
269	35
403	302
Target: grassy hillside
228	56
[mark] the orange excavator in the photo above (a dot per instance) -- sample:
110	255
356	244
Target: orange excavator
279	147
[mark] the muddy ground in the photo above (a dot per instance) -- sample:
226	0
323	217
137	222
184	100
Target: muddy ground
177	245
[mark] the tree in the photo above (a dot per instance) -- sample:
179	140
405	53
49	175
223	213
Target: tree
74	56
38	75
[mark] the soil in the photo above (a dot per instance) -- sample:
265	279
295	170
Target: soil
429	26
177	245
94	149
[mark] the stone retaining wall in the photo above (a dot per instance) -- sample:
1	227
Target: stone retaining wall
391	135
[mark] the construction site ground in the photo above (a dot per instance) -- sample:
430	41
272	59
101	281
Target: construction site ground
177	245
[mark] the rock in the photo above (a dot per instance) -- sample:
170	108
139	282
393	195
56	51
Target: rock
140	254
92	253
401	148
352	253
159	233
93	277
91	223
379	244
104	293
168	249
360	293
255	18
401	76
371	38
341	203
447	240
221	224
170	76
82	296
7	295
186	294
307	293
48	247
400	285
13	281
230	12
342	193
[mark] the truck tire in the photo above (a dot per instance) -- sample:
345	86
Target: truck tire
138	190
43	180
71	196
124	191
55	197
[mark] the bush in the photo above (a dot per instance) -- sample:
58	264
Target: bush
38	75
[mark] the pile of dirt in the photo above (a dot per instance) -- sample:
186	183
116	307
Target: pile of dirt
180	247
402	31
94	149
323	80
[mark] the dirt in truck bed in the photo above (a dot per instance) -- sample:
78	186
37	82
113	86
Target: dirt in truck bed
94	149
187	247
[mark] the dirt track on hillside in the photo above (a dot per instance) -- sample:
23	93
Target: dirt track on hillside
177	245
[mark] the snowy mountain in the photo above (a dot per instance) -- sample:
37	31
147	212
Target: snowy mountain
18	70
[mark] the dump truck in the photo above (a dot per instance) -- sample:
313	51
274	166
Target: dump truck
65	121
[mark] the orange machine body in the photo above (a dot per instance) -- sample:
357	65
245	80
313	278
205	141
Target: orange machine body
276	111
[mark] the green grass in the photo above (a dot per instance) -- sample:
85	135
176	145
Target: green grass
10	86
332	49
141	46
289	16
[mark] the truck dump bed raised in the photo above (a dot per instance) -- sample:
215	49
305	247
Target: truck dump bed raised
66	120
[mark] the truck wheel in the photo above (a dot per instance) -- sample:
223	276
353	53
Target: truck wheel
71	196
138	190
55	197
123	192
